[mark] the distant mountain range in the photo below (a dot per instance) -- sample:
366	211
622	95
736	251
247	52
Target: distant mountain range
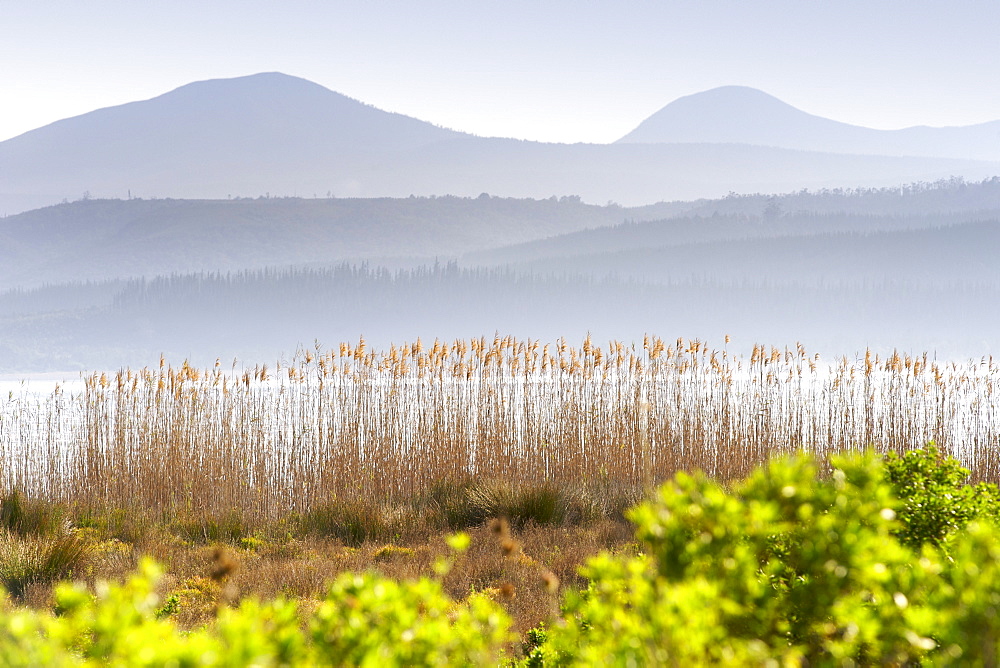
273	134
740	115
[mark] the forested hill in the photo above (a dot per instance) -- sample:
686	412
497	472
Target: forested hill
948	196
920	206
946	256
108	239
105	239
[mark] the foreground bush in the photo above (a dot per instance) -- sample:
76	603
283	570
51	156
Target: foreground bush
789	567
362	621
936	501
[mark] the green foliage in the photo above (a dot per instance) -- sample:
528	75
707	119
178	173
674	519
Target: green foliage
533	646
783	567
119	627
24	642
363	620
169	607
966	601
251	543
936	502
368	621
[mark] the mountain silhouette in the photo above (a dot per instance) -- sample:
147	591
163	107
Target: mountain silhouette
274	113
210	138
276	135
742	115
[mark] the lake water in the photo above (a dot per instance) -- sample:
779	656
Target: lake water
41	384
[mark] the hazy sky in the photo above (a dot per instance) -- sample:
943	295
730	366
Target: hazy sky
544	70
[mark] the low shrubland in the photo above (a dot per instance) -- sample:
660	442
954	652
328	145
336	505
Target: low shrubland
855	559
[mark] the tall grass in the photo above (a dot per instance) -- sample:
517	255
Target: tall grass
336	428
27	560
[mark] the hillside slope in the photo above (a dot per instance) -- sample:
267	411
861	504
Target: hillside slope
105	239
738	114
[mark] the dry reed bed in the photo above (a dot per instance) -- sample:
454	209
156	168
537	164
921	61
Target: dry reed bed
390	425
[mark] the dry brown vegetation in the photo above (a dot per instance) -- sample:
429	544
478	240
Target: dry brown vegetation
354	458
356	425
525	569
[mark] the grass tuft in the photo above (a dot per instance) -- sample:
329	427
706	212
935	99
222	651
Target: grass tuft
353	521
28	517
27	560
541	503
